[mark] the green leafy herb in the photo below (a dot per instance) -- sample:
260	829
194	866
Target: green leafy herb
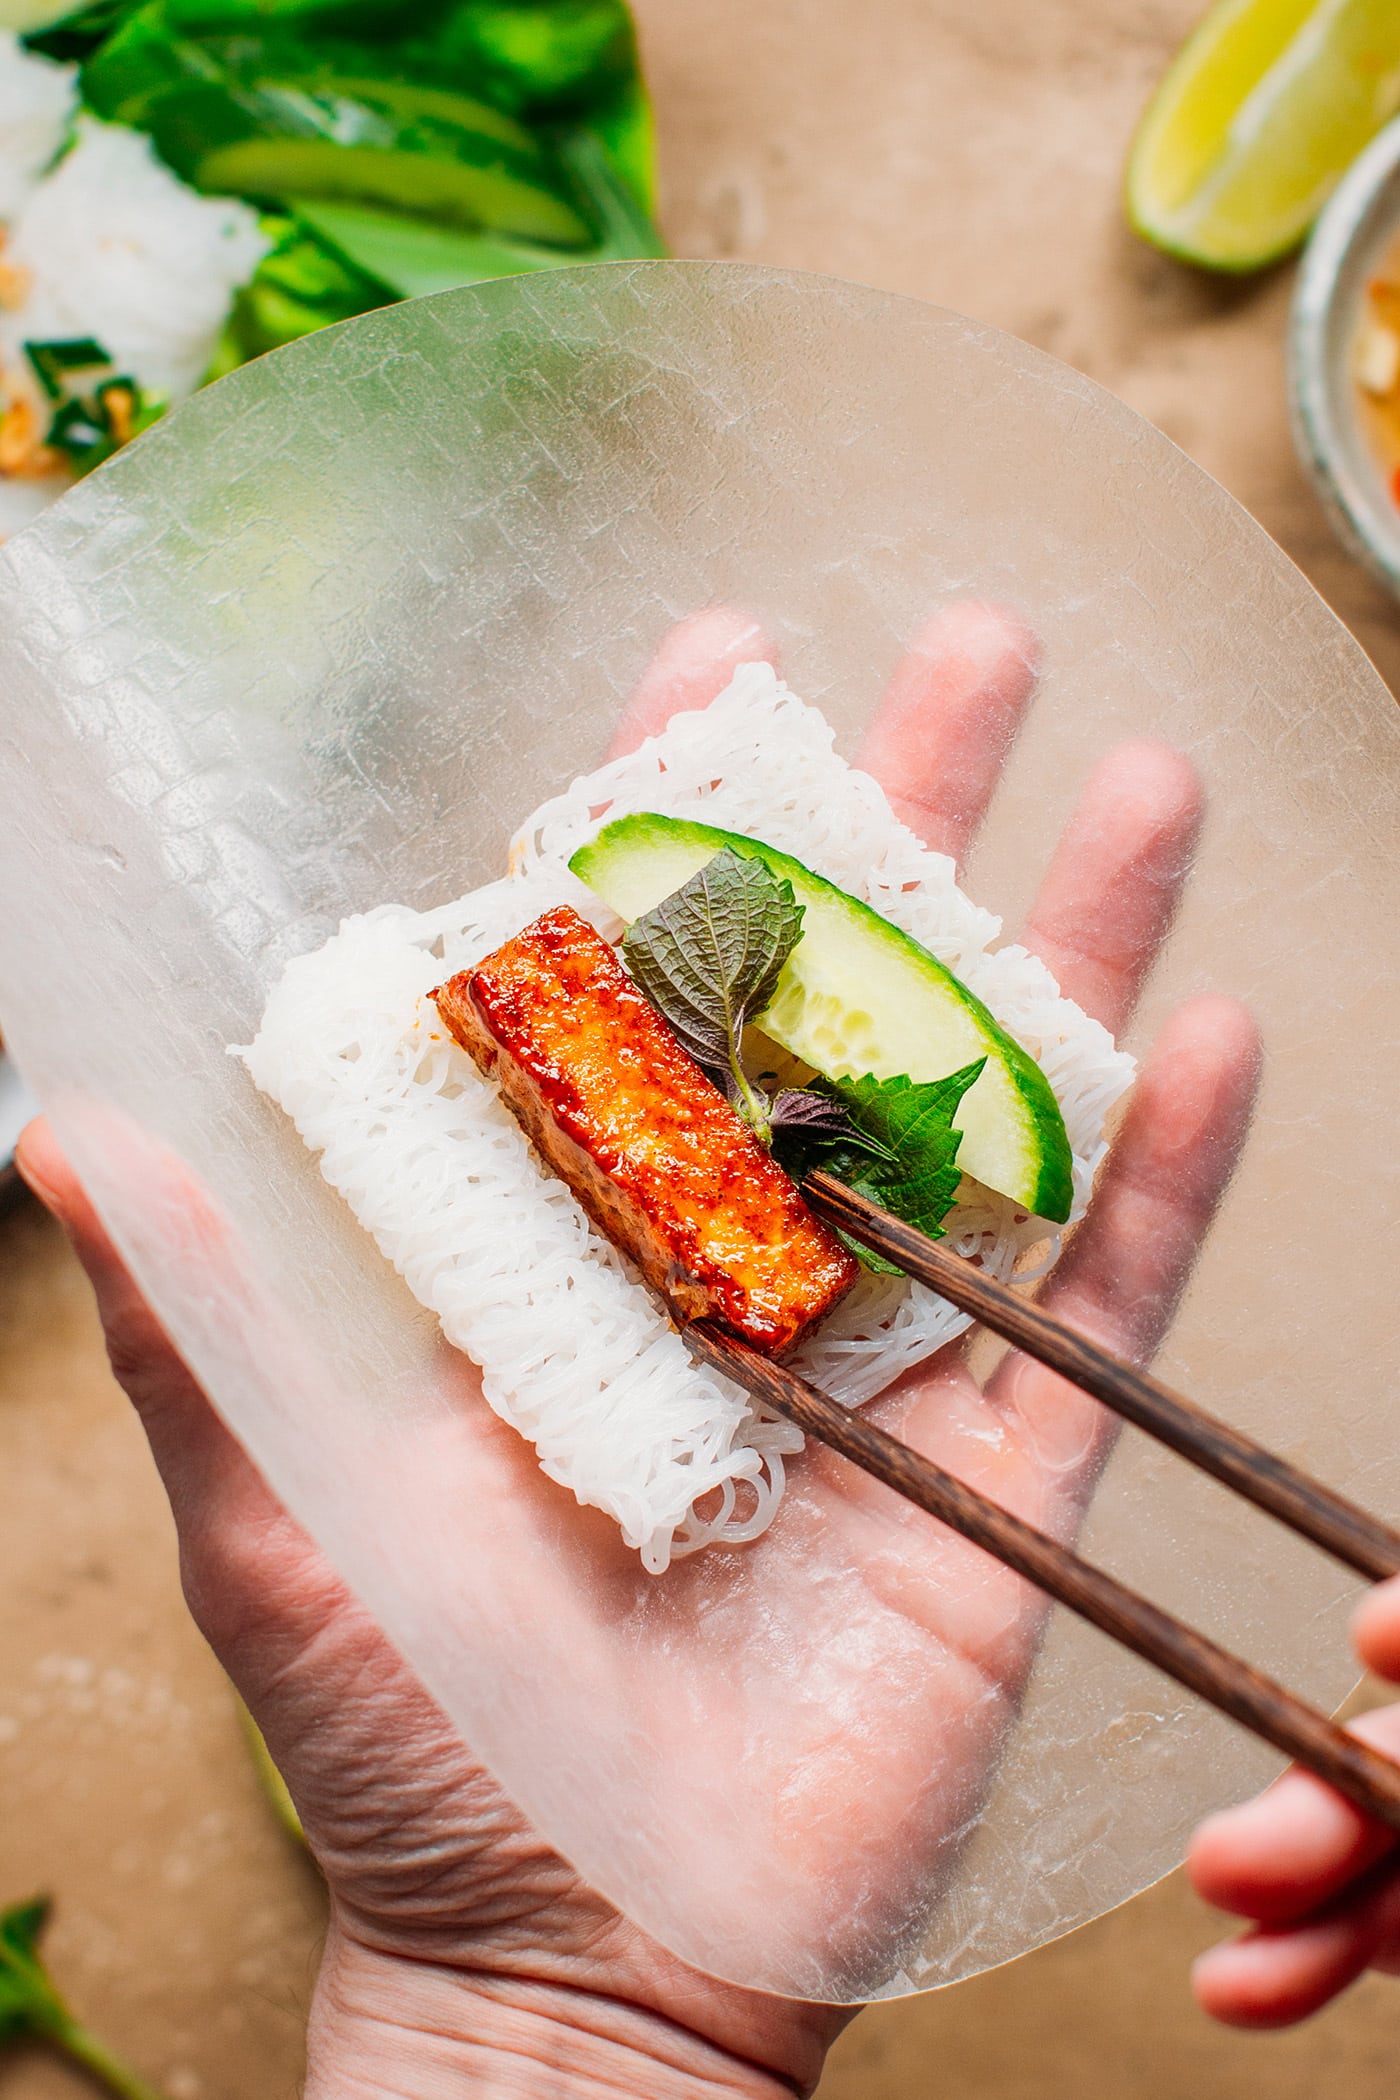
31	2009
540	53
393	150
621	223
709	957
804	1112
90	421
55	362
901	1151
411	150
301	284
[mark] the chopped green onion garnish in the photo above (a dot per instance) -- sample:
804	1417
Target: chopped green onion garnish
53	361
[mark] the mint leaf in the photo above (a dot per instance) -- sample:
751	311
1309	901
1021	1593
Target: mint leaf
709	957
901	1151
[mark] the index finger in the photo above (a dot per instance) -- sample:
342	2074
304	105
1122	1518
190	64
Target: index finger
1294	1847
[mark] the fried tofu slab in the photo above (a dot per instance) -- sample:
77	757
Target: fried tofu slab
651	1148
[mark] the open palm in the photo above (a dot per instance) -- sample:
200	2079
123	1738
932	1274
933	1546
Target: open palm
895	1654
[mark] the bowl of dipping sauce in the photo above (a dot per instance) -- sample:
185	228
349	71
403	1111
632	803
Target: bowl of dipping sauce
1344	357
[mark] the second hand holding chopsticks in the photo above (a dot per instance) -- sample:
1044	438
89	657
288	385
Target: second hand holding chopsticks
1230	1684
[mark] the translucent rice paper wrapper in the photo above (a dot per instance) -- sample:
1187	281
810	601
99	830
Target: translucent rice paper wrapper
321	642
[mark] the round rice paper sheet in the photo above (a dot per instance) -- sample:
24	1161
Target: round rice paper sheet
321	644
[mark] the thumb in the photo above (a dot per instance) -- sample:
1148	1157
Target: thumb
251	1575
188	1440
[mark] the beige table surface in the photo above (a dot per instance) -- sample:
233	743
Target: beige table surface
967	151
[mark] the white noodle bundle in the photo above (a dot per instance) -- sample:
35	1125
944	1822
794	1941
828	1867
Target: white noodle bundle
574	1351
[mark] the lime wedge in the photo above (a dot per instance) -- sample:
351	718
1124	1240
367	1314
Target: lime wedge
24	17
1264	107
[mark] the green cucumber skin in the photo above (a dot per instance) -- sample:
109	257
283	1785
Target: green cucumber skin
409	100
279	138
463	191
1014	1138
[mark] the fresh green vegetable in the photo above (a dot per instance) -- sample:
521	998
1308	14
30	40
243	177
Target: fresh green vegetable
858	996
457	182
560	64
423	149
31	2009
412	101
545	53
900	1148
394	151
96	408
459	78
144	58
625	125
300	285
55	362
709	957
623	228
412	257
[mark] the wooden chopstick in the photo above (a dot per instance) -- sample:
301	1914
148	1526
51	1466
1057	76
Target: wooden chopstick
1233	1686
1342	1528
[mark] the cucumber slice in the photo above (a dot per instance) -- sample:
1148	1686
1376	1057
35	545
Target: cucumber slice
409	100
278	139
859	996
464	188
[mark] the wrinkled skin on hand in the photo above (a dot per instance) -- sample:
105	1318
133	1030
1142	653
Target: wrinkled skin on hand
459	1940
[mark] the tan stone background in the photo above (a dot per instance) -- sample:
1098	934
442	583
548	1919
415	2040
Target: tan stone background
968	151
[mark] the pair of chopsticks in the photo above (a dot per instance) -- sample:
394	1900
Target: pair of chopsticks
1235	1687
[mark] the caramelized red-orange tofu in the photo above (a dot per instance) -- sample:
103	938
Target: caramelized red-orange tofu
653	1151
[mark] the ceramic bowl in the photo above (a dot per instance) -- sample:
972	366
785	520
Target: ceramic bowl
1348	241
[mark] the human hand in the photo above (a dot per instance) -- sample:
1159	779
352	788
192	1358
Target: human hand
1319	1881
463	1955
458	1939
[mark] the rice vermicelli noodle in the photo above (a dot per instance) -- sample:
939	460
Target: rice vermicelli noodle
575	1353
